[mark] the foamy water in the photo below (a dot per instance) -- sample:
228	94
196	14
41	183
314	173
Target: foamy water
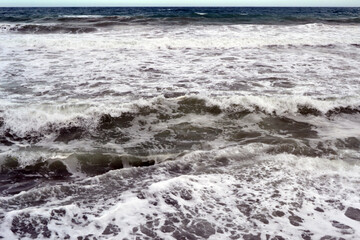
203	129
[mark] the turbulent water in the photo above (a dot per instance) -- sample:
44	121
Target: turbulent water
180	123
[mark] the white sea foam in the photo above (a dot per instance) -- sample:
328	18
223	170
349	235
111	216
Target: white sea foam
216	59
211	180
226	202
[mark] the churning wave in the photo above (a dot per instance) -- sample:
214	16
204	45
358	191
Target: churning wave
85	118
164	129
173	123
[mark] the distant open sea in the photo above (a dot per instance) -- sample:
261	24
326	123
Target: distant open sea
180	123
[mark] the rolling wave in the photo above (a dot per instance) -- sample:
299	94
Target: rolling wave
14	122
165	128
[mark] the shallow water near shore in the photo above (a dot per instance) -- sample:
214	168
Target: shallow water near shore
179	123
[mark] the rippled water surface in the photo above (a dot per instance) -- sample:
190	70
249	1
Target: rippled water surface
179	123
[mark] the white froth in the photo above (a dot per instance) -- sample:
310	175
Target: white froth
238	200
53	81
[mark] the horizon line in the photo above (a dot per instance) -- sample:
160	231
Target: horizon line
160	6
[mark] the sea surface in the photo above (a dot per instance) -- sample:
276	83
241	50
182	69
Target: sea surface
180	123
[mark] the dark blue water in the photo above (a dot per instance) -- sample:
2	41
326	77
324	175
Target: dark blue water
239	15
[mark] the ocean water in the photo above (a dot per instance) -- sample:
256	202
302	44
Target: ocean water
180	123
